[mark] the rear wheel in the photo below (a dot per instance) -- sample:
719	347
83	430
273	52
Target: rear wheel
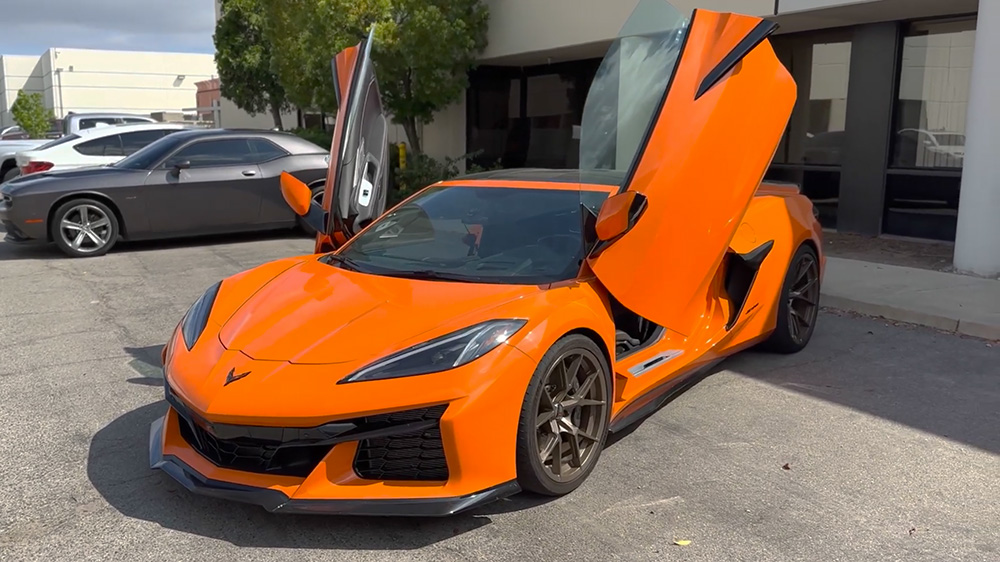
564	418
798	308
84	228
10	174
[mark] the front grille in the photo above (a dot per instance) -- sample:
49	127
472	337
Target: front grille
414	453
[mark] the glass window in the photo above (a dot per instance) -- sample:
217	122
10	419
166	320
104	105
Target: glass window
265	150
131	142
105	146
137	120
494	109
479	234
221	152
934	94
58	141
91	122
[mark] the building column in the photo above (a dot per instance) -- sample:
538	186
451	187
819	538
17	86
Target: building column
977	240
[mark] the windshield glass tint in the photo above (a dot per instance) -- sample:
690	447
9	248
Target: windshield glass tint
480	234
630	85
58	141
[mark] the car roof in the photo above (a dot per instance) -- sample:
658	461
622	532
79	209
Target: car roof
108	130
608	178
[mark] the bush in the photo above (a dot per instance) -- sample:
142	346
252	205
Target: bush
316	136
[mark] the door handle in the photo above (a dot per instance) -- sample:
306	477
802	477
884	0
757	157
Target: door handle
249	172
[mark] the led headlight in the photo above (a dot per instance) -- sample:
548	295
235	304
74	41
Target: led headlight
440	354
196	318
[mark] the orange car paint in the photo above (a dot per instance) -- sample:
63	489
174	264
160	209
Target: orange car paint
279	321
696	203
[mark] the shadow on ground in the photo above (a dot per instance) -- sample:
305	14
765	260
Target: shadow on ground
898	373
148	363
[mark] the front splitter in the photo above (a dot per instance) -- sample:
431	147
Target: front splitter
278	502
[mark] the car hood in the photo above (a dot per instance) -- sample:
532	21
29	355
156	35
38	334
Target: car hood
314	313
102	176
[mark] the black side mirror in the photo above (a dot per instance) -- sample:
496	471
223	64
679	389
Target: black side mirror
182	165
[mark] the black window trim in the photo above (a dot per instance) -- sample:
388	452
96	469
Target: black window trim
160	164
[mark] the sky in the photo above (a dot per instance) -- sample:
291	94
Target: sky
29	27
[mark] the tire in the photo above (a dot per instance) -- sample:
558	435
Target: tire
96	227
788	337
536	473
10	174
317	196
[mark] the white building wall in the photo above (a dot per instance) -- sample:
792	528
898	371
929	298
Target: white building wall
84	80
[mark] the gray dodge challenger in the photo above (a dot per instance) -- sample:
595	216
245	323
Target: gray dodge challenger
189	183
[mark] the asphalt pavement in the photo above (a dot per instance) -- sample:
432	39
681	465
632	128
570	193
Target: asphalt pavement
879	442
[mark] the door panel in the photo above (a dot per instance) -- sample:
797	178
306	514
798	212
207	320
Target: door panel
357	179
698	167
209	199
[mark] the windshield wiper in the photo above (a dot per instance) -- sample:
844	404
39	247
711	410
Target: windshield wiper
343	261
433	276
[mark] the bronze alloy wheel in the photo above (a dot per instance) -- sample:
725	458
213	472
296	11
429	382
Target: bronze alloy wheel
803	299
571	415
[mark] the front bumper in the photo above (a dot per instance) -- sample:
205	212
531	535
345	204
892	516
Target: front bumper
19	231
277	501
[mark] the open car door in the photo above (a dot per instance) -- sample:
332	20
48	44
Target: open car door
357	179
690	110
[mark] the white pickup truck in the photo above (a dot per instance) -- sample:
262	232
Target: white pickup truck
71	124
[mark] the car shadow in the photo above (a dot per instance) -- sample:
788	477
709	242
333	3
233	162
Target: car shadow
147	362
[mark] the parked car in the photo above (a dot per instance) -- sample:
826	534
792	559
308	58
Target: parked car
8	155
486	335
98	146
191	182
75	122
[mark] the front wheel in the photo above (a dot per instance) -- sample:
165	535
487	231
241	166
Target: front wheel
564	418
84	228
798	307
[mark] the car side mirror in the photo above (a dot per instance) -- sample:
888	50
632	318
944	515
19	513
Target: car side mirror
618	215
299	198
176	167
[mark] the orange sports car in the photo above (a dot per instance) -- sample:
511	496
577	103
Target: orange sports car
485	335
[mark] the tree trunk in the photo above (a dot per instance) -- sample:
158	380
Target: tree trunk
410	126
276	114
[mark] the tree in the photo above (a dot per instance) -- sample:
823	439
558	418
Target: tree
423	51
30	114
243	56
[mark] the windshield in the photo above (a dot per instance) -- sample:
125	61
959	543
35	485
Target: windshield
478	234
58	141
630	86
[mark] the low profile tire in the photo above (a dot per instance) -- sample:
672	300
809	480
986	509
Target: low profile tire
564	418
317	196
798	308
84	228
10	174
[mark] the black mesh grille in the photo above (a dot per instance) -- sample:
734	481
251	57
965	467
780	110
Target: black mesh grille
414	454
404	456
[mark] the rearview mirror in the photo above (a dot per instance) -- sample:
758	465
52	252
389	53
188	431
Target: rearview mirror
619	214
299	198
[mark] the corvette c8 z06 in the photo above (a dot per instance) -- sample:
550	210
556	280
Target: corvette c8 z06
485	335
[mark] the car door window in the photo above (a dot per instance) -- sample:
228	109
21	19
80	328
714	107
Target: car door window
132	142
265	150
221	152
104	146
136	120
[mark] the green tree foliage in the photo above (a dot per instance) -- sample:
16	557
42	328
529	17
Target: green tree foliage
30	114
423	51
243	56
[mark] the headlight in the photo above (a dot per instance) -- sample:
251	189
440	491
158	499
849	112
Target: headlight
440	354
194	321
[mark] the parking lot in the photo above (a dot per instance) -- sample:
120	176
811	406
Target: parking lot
879	442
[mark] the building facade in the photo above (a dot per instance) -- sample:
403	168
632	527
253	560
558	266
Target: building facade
86	81
883	137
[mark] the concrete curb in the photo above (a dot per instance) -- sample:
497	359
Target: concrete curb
929	319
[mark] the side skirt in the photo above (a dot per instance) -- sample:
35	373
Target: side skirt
655	398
